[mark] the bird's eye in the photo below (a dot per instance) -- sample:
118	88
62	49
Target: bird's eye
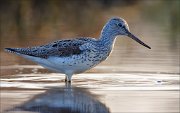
120	25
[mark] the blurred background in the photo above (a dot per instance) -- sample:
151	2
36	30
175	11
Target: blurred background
25	23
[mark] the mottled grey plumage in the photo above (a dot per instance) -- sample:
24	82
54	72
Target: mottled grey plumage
61	48
80	54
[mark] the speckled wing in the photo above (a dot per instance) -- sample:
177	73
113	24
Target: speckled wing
62	48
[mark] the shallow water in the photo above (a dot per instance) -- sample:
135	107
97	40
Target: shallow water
31	90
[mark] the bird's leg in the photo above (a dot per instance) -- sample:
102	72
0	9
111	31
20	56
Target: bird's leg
65	78
68	78
68	84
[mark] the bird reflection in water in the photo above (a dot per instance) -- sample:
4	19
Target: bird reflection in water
64	100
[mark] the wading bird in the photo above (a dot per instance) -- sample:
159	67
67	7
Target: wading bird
77	55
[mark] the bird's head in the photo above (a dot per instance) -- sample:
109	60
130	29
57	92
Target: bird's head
119	26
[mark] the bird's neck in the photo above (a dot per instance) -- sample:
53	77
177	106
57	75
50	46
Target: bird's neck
107	38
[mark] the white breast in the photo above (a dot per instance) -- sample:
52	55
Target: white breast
69	64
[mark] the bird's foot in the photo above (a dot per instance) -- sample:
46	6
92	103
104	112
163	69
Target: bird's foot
66	80
68	84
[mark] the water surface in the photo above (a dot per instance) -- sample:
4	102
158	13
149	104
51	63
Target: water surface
33	91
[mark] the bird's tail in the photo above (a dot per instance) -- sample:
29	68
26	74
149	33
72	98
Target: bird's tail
11	50
15	50
25	51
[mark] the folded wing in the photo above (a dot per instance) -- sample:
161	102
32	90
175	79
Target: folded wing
62	48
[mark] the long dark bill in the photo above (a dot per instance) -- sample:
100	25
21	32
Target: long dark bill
137	40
